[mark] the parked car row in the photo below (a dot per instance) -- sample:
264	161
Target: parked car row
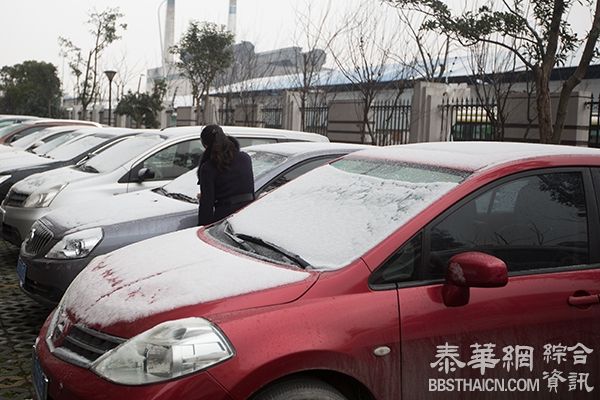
359	273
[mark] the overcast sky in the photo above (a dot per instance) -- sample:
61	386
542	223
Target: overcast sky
30	28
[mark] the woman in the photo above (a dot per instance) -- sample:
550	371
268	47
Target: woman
224	175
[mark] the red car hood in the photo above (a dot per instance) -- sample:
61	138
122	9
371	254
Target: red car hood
175	276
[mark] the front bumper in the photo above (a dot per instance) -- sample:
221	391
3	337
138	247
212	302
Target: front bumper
69	382
47	280
17	222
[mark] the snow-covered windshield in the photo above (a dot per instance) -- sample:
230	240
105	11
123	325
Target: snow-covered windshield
55	142
263	161
336	213
78	147
122	152
186	184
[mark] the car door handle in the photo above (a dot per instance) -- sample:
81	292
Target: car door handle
582	301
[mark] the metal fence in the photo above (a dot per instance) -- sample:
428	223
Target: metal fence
594	126
467	119
273	117
391	122
315	119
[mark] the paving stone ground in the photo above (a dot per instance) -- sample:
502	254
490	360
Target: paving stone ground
20	321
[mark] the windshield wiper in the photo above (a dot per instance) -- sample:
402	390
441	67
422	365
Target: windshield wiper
176	196
180	196
287	254
229	232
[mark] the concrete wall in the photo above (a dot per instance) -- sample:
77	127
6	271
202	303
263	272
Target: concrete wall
521	109
345	122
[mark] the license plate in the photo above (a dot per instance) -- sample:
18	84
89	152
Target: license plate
40	382
21	271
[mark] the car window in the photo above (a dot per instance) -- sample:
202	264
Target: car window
530	223
263	161
296	171
171	162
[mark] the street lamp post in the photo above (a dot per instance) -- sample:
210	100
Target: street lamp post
110	75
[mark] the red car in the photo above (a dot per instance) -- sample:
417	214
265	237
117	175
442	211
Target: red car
438	270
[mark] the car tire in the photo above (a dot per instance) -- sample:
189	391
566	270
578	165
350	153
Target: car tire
301	389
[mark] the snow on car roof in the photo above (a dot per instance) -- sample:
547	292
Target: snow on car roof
244	131
291	148
471	156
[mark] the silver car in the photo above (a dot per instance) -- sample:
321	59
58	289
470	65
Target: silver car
141	162
63	242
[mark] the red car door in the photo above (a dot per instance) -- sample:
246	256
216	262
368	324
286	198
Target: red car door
535	337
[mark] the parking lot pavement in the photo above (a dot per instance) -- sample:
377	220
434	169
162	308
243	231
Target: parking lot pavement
20	322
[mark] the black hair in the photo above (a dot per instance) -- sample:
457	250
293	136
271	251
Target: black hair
219	148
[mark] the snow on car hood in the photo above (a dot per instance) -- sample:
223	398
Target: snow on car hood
49	179
115	210
165	273
20	159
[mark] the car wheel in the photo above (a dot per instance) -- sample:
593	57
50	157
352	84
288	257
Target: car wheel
301	389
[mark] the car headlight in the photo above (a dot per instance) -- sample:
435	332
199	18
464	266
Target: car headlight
42	199
4	178
77	244
169	350
58	320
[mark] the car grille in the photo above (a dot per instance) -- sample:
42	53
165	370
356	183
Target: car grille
86	344
15	199
40	237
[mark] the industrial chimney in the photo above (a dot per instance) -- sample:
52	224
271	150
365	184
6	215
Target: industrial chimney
169	33
232	16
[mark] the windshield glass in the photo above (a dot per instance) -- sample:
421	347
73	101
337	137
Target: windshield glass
122	152
263	161
77	147
186	184
7	130
43	135
55	142
336	213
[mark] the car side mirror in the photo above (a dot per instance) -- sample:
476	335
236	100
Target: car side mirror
472	269
144	174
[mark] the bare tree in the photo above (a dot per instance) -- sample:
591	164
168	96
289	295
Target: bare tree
312	36
426	54
494	73
364	58
104	27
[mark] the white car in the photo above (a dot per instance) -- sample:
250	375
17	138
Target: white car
141	162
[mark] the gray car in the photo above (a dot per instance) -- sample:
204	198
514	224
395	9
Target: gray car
63	242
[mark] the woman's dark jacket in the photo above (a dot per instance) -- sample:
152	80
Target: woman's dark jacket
224	192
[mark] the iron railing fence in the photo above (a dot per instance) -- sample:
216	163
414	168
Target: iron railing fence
467	119
391	122
315	119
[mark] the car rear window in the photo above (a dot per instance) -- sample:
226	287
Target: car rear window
263	161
